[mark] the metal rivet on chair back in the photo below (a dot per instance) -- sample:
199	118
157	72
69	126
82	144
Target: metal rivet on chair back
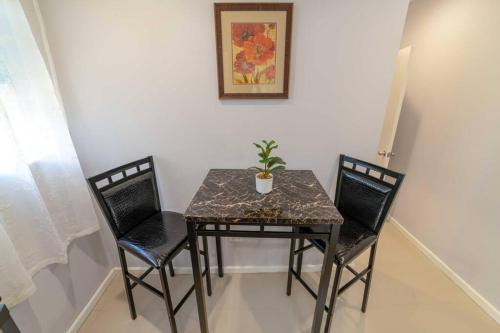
365	191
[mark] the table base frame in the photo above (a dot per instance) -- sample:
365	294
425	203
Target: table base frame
196	229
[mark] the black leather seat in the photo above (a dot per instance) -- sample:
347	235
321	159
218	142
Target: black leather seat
363	196
155	239
354	237
128	196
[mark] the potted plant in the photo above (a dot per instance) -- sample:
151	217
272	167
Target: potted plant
264	178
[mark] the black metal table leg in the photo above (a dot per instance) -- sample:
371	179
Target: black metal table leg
326	272
219	253
198	281
299	257
290	266
333	297
207	265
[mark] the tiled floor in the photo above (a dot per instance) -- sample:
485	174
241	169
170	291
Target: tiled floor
408	295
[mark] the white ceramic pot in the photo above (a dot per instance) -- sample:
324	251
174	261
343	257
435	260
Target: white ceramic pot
263	186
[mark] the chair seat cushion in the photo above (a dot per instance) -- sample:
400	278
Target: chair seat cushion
354	237
155	239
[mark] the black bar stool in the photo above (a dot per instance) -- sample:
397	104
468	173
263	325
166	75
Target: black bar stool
128	196
363	196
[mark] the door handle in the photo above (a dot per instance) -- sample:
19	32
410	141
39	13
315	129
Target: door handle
387	154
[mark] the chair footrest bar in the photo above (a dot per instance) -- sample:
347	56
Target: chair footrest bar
353	271
183	300
186	296
356	278
138	281
133	285
202	252
145	285
306	286
305	248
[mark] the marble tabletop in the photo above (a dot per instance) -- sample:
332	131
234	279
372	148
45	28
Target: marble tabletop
229	196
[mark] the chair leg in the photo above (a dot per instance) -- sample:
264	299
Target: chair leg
371	263
171	269
168	299
333	297
126	282
290	267
299	257
207	266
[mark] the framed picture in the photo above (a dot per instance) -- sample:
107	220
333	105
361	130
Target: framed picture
253	49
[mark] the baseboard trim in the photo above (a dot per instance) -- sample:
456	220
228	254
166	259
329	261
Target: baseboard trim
82	316
467	288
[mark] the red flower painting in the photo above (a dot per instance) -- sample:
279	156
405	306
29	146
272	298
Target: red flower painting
242	32
241	65
271	72
254	53
259	49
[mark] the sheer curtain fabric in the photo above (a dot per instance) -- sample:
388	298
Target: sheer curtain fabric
44	199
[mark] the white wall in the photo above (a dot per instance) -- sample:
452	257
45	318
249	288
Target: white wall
448	138
139	78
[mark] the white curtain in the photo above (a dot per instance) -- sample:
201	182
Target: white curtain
44	199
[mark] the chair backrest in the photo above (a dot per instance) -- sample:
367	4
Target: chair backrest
365	191
127	194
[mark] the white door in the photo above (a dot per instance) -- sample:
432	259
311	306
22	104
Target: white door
393	109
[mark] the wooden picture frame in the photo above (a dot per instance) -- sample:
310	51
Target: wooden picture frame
253	49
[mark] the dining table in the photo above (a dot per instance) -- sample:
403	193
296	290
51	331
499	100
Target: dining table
227	198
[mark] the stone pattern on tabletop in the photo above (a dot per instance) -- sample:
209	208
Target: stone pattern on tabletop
229	196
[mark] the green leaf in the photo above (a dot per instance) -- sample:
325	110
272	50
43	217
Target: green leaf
275	160
269	162
260	147
276	168
256	168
